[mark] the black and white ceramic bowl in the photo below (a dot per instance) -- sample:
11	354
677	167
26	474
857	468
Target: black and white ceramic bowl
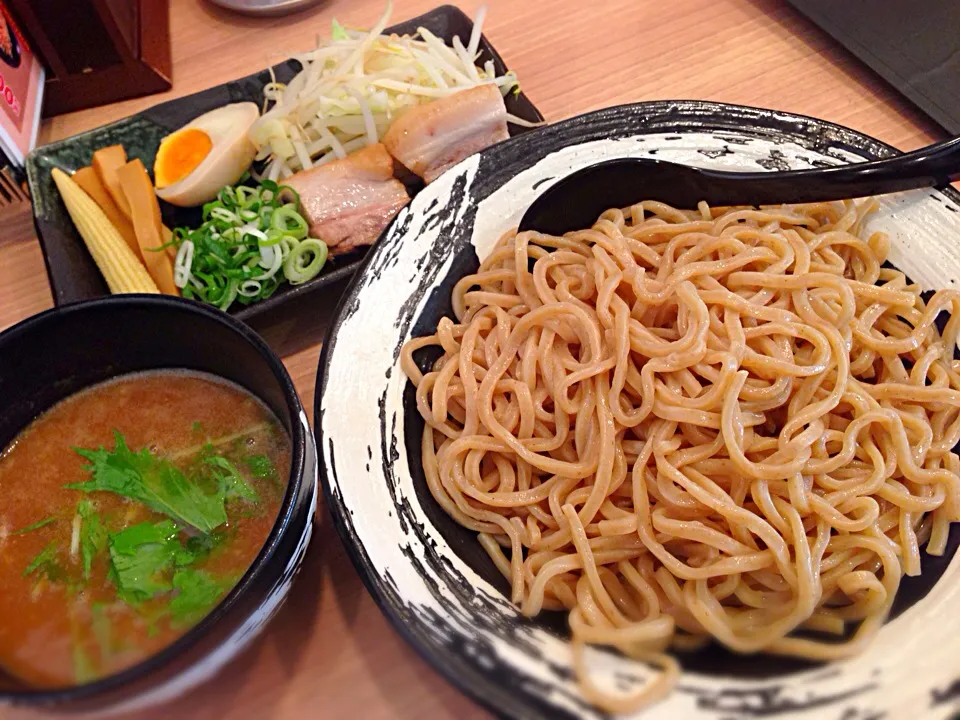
55	354
431	577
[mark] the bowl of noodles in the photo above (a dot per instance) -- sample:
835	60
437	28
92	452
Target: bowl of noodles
687	462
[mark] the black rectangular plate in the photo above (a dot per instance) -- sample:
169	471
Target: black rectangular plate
73	274
915	46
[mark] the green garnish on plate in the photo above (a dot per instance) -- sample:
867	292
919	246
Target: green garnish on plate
251	240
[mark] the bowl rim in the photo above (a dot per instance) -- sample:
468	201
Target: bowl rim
268	552
674	115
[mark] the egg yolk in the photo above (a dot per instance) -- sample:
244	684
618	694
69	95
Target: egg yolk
179	155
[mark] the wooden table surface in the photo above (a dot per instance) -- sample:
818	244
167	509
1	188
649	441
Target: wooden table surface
330	653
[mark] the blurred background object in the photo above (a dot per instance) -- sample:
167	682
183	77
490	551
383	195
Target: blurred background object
914	46
265	7
97	51
21	93
12	190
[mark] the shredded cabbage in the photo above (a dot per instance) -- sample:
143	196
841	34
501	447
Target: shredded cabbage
338	33
352	87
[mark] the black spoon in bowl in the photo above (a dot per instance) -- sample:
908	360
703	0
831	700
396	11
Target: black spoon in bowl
577	200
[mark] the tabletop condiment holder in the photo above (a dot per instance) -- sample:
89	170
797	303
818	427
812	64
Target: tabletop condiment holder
98	51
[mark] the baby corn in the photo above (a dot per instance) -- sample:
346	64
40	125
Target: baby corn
120	267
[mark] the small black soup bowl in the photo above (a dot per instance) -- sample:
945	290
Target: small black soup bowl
50	356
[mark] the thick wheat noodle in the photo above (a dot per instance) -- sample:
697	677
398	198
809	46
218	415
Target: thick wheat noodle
685	425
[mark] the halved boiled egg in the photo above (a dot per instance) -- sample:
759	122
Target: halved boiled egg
197	161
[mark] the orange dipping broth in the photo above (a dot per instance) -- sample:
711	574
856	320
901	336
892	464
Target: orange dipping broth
58	628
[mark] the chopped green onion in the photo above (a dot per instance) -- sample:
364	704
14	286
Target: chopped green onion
305	261
248	235
247	197
249	288
182	263
274	236
221	213
260	235
226	300
284	216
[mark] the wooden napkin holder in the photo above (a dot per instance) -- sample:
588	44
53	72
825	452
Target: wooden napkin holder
98	51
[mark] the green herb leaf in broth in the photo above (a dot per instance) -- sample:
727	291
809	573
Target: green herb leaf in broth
198	592
196	427
129	540
232	484
102	630
36	526
153	615
83	668
202	545
142	558
260	466
155	482
45	564
93	535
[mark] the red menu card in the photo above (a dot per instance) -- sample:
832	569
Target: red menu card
21	90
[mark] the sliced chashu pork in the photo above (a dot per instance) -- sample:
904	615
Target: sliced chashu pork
349	202
430	138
